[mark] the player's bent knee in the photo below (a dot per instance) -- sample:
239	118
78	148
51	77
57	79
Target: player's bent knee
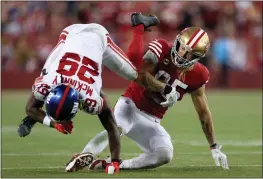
165	155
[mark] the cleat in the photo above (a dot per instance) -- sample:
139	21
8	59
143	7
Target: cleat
79	162
25	126
147	21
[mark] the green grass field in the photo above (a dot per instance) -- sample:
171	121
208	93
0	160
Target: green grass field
238	125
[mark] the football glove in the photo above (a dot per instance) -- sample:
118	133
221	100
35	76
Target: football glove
219	157
64	128
25	126
112	167
171	98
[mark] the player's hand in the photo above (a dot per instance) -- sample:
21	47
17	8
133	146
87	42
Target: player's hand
112	168
65	128
25	126
219	157
171	98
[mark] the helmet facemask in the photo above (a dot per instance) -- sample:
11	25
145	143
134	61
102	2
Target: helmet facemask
183	61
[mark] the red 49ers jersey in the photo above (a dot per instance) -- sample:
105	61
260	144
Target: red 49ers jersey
166	72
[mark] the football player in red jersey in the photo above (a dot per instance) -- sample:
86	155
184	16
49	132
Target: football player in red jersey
139	111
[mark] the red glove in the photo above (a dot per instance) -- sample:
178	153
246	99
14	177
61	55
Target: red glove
65	128
116	166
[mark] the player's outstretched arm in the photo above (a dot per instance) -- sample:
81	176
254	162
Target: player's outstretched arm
108	122
201	105
33	109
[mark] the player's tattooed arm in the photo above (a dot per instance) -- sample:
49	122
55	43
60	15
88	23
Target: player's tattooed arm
107	119
147	80
34	110
201	105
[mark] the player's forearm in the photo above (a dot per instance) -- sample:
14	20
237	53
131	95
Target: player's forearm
208	127
108	122
33	110
38	115
148	81
114	142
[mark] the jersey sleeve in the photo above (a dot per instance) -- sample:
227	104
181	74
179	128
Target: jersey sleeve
149	55
157	50
41	88
91	102
205	75
203	78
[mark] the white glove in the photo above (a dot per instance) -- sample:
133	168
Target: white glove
171	98
219	157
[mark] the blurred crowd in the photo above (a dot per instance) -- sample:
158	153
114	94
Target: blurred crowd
30	29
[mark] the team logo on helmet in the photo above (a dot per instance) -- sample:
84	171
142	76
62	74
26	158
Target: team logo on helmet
62	103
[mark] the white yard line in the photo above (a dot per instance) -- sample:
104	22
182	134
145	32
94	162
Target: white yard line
169	166
175	166
126	154
22	168
12	129
37	154
242	143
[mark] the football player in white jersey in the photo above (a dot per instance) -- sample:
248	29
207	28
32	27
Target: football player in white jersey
75	66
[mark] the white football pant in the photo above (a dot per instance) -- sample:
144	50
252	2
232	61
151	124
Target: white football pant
144	129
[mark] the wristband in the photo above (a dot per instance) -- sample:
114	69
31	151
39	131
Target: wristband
167	89
116	160
47	121
213	146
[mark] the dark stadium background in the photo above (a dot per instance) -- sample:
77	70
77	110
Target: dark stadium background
29	31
